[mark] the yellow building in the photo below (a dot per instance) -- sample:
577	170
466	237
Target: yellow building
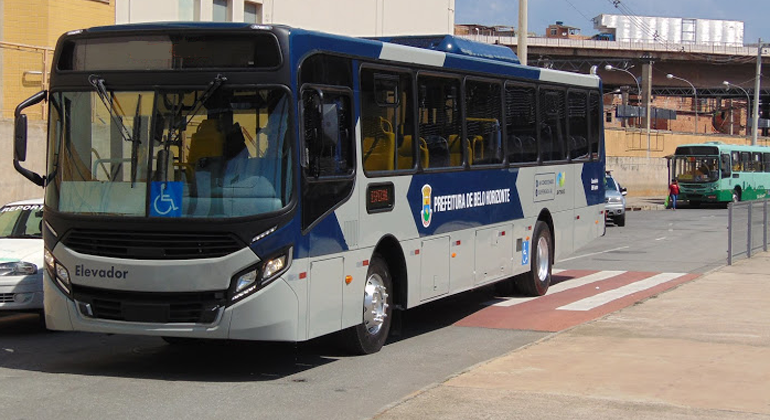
29	30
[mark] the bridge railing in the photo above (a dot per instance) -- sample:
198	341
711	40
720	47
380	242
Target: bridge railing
715	48
747	228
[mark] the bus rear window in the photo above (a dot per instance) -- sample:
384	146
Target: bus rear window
163	52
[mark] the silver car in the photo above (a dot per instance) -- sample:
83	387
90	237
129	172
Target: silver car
21	256
615	201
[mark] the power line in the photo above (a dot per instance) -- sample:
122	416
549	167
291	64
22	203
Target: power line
578	10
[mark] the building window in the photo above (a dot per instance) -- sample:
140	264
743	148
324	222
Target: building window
221	11
187	10
252	12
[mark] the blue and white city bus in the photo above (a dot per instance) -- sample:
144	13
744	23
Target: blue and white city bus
236	181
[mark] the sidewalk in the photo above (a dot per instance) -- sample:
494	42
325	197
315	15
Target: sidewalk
645	203
698	351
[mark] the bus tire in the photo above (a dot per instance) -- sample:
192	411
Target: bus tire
736	196
370	335
536	281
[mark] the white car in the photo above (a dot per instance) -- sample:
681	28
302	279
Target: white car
21	256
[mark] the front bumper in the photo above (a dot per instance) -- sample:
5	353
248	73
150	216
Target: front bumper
271	314
22	293
614	210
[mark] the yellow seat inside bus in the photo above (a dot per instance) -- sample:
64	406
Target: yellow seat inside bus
207	141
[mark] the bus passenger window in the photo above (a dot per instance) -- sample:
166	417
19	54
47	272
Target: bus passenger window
736	158
387	122
577	114
521	130
439	113
596	127
552	117
482	102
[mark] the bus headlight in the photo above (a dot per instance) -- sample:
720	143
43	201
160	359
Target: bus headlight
260	275
58	273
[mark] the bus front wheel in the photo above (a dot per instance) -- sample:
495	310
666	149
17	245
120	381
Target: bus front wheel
537	280
370	335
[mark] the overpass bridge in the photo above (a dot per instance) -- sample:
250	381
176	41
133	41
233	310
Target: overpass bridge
705	66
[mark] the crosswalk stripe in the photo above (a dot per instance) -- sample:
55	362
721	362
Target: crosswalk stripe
603	298
560	287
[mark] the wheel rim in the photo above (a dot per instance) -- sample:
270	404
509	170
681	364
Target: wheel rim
375	304
543	258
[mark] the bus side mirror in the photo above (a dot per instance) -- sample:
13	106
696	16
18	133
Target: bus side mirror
20	138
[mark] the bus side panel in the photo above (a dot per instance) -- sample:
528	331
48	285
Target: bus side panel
494	254
325	292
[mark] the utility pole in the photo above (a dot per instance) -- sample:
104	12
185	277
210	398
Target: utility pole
647	99
755	115
521	51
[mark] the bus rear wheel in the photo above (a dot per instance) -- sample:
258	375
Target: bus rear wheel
536	281
370	335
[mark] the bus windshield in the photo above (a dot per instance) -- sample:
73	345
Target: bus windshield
696	168
218	152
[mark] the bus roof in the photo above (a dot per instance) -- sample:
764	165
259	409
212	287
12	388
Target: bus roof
440	51
727	146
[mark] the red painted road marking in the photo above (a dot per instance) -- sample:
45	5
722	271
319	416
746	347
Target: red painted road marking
542	314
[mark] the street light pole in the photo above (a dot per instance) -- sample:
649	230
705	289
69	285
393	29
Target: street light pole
521	50
695	94
755	115
609	67
748	98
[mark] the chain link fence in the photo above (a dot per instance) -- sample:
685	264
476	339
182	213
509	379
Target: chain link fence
747	229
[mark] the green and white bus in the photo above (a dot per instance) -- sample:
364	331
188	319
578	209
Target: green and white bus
717	172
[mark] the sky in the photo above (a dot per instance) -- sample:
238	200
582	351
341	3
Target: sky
578	13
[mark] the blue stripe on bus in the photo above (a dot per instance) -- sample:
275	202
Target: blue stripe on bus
325	238
487	66
461	200
303	42
593	182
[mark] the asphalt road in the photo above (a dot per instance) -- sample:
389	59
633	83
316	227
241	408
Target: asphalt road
52	375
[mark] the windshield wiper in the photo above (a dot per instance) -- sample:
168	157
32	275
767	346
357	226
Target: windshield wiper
184	120
98	84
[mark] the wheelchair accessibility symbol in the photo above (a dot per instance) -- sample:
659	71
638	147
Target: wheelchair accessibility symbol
525	253
166	198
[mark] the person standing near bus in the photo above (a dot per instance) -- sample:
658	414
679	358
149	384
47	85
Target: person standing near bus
673	193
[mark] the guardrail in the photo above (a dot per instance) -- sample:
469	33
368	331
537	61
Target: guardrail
714	48
747	228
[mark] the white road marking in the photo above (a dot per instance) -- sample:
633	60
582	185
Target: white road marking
604	298
556	288
595	253
661	238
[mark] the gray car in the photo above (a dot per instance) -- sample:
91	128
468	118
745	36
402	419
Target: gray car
615	201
